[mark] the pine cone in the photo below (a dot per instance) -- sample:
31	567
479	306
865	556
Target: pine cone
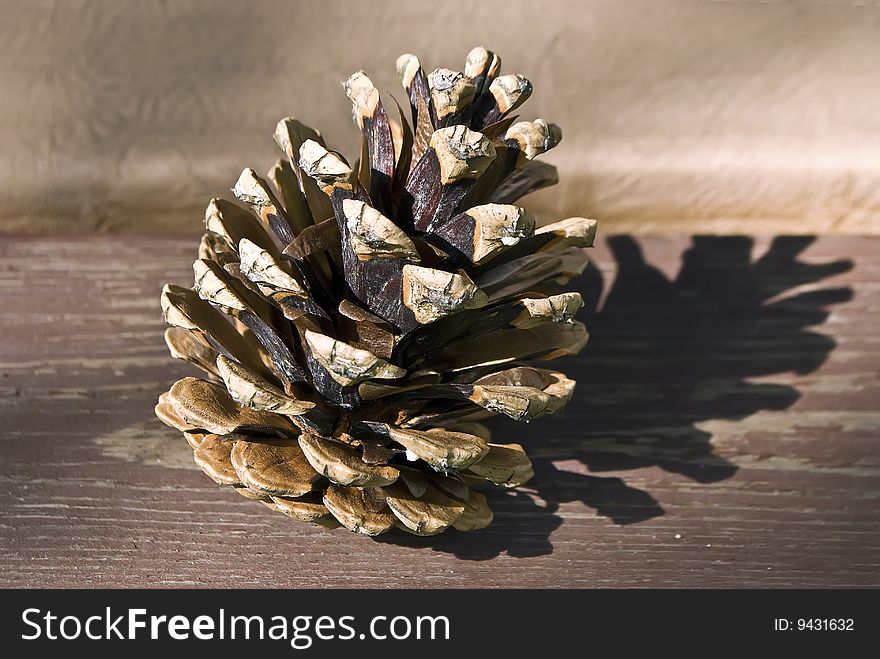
359	324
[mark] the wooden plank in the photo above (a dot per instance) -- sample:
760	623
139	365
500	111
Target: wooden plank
713	440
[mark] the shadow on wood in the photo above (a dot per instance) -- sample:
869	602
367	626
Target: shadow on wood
664	355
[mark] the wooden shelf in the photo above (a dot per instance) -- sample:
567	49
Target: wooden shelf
725	432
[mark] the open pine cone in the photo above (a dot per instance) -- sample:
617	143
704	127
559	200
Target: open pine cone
357	326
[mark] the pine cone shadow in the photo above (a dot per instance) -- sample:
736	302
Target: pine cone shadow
664	356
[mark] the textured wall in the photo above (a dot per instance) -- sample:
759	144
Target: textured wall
701	116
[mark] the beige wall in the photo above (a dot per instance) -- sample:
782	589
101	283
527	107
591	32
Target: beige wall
695	116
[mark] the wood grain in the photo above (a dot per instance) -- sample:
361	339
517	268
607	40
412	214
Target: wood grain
724	432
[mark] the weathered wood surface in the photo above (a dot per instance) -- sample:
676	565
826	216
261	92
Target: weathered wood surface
724	432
